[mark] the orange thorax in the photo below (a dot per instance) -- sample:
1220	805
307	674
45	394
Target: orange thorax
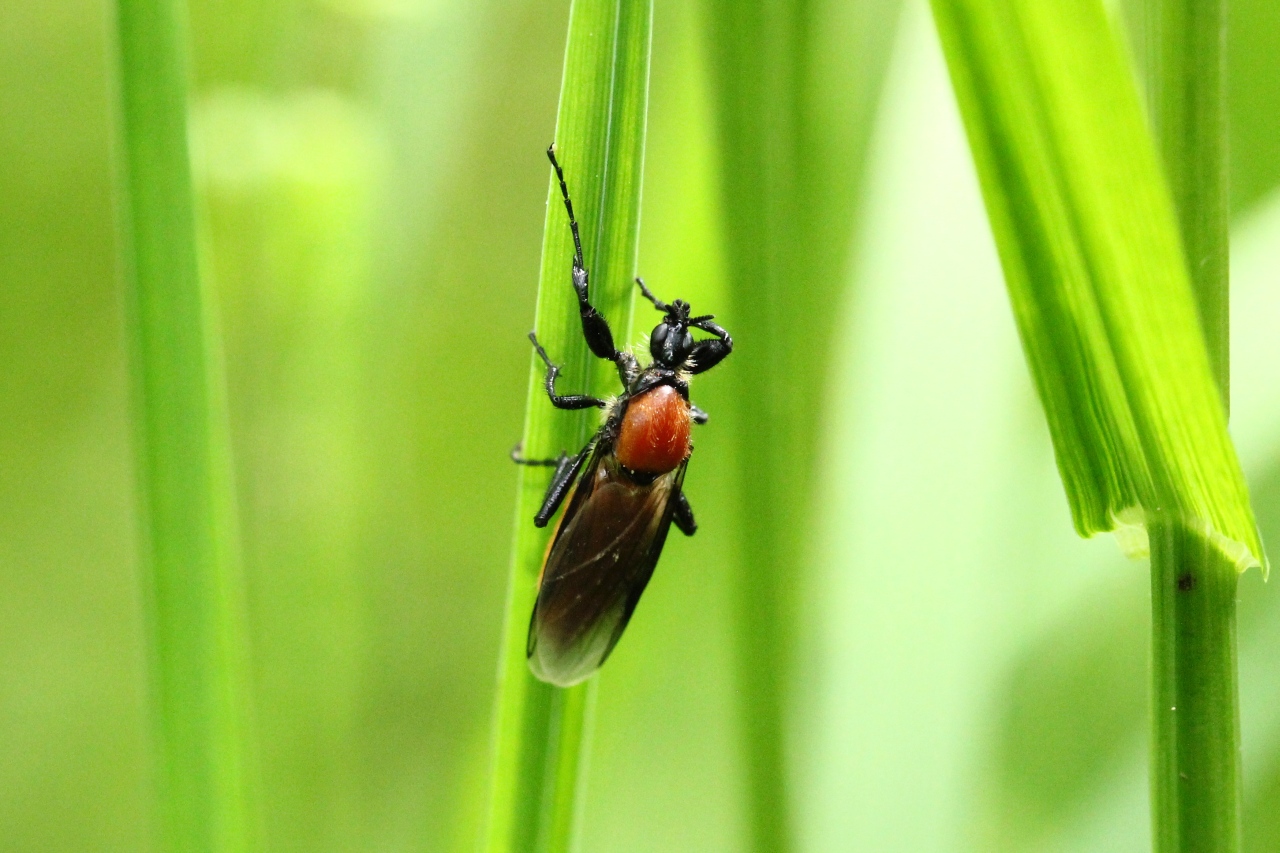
654	437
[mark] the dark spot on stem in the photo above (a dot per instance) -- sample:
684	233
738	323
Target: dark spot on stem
1186	582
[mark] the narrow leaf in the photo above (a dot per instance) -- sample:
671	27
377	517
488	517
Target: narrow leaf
796	83
1181	48
1090	246
540	730
189	554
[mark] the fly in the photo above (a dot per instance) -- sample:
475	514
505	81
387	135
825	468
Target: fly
624	489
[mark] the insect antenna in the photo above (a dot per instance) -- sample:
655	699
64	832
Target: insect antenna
568	205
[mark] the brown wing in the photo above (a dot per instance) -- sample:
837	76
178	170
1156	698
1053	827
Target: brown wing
602	557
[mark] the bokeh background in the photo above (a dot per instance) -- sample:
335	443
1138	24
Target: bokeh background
372	182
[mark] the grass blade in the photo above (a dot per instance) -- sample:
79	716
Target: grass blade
1182	48
796	83
540	730
1093	262
196	631
1093	258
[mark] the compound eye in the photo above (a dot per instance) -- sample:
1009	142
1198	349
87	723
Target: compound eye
686	345
657	342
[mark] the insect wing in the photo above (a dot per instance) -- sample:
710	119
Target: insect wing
603	555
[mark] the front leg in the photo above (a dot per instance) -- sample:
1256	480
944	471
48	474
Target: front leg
599	337
628	368
594	326
707	354
683	515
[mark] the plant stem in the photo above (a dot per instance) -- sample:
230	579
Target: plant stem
1195	764
1195	767
796	84
539	730
192	587
758	48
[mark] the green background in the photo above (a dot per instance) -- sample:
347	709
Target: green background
973	677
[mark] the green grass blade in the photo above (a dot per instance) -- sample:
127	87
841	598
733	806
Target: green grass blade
196	630
540	730
1182	44
795	86
1089	243
1110	317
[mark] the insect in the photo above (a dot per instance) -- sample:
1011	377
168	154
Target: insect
624	489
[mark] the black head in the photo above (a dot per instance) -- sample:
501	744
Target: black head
670	342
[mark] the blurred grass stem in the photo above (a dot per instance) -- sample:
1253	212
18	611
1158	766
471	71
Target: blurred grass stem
759	48
1196	786
539	753
190	570
796	86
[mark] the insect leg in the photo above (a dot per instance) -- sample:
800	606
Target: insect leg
517	458
566	401
683	515
567	468
707	354
648	294
594	326
628	368
699	416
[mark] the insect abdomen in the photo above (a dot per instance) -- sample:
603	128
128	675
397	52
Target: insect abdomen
654	436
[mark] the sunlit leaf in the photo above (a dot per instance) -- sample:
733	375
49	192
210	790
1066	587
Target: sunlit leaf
1093	263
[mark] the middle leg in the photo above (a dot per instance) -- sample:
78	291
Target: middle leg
562	401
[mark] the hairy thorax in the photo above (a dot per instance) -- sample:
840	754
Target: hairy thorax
654	436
